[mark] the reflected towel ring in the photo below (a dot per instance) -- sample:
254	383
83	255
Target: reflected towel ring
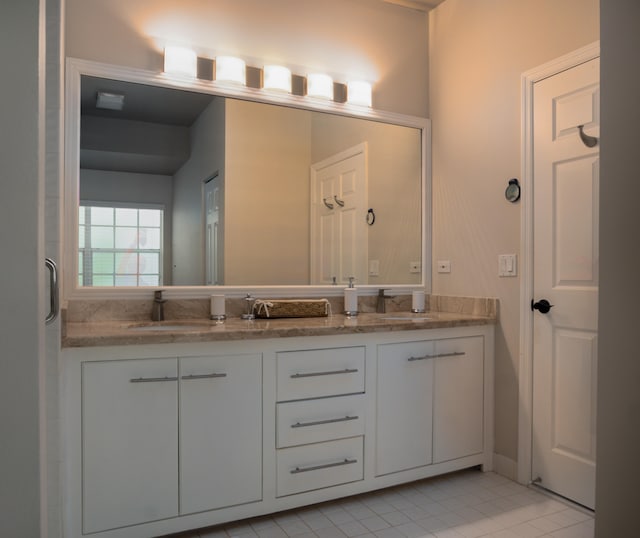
371	217
330	206
338	201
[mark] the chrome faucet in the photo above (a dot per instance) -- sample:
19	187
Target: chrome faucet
381	305
157	311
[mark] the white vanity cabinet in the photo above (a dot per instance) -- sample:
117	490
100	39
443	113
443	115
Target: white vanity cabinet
404	406
163	438
430	403
129	442
319	418
220	431
458	395
167	437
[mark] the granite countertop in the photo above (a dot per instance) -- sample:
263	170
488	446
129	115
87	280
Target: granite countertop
111	333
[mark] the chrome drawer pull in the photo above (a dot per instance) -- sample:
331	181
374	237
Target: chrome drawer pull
333	372
439	355
202	376
327	421
152	379
325	466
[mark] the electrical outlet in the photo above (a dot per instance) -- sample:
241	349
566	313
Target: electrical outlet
444	266
374	267
415	267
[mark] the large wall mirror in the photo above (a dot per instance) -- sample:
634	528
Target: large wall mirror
185	185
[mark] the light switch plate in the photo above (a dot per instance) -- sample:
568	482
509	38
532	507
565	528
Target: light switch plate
507	265
374	267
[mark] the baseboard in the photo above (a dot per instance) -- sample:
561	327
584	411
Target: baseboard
505	467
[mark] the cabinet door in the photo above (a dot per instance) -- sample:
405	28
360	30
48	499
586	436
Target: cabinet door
129	442
220	431
458	398
404	406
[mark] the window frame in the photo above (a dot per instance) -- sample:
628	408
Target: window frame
85	254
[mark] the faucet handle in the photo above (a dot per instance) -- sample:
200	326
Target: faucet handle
157	296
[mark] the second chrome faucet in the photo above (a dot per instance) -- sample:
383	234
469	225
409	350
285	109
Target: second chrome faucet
381	305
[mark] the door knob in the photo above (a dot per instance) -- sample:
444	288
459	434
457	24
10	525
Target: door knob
542	305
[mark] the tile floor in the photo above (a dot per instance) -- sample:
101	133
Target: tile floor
467	504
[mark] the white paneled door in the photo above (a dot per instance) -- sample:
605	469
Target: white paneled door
339	244
565	190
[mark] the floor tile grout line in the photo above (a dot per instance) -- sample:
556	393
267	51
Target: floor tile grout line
452	506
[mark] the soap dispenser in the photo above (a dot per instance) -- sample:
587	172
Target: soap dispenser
351	299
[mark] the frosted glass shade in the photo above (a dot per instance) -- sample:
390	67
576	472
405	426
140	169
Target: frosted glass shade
180	61
231	69
359	93
277	77
319	85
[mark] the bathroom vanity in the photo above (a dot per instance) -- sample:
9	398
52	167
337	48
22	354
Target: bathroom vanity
200	424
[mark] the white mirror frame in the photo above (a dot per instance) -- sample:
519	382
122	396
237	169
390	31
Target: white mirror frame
75	68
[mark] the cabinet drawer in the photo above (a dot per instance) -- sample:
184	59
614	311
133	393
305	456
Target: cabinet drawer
321	465
313	421
320	372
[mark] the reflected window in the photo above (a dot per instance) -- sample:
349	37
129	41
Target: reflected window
119	246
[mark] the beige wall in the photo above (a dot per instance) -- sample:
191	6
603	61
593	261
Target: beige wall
266	194
366	39
478	51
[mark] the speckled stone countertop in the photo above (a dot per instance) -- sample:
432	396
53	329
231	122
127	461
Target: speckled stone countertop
128	332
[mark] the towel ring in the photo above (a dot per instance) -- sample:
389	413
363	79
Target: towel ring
371	217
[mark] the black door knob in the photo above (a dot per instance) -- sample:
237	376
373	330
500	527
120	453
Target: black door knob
542	305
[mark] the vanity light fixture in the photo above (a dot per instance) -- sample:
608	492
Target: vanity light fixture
231	69
359	93
180	61
277	77
110	101
319	85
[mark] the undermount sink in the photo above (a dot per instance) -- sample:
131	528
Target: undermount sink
411	317
169	327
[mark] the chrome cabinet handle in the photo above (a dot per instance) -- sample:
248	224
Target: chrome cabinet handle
324	466
332	372
437	356
327	421
53	291
201	376
152	379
